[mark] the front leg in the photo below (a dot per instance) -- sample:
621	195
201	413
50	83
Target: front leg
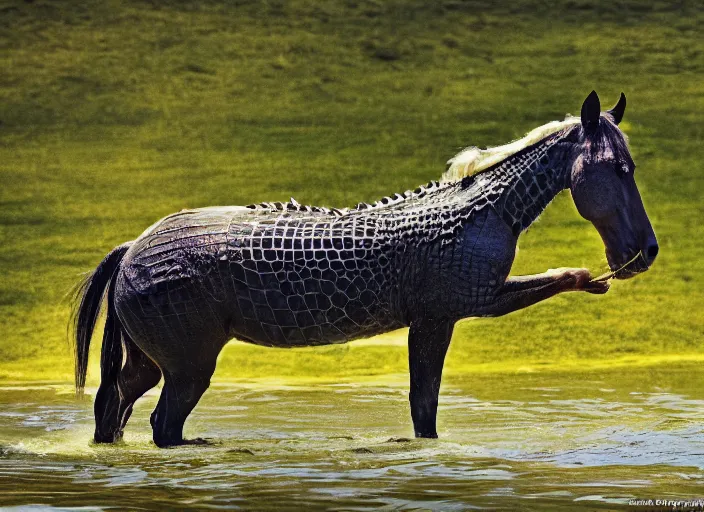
428	340
521	292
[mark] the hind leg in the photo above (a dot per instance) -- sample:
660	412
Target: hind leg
182	331
116	396
180	394
139	375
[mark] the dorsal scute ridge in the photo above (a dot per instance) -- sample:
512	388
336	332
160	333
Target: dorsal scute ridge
294	206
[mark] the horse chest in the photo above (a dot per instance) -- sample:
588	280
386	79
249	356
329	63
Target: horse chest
461	276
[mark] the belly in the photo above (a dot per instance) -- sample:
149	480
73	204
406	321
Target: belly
285	304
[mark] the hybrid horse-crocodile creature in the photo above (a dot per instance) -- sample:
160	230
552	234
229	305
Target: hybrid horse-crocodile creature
286	275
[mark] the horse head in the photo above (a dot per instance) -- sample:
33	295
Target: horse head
604	190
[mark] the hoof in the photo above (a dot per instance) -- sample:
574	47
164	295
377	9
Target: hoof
427	435
596	287
574	278
100	438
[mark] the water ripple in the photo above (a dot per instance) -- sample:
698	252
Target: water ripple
511	441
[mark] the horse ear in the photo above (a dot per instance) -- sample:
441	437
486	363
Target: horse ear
619	109
591	110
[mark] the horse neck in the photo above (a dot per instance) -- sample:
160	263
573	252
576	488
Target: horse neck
518	189
525	183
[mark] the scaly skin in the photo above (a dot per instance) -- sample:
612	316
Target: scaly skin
288	275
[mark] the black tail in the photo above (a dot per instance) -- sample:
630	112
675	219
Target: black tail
85	308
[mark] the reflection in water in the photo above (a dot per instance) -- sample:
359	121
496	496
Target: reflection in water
529	441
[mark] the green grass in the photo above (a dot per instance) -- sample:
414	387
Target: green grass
115	114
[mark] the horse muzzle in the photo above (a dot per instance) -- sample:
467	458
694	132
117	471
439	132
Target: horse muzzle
637	264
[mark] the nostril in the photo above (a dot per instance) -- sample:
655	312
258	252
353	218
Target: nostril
652	252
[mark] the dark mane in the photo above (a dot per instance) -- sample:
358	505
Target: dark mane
607	142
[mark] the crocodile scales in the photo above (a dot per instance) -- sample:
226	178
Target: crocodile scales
288	275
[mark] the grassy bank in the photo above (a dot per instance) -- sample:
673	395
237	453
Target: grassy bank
113	115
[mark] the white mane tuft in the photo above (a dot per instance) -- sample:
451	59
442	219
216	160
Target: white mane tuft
471	160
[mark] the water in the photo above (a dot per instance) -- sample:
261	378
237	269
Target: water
590	441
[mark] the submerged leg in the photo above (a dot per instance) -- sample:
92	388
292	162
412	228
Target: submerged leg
179	396
428	341
521	292
120	388
139	375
